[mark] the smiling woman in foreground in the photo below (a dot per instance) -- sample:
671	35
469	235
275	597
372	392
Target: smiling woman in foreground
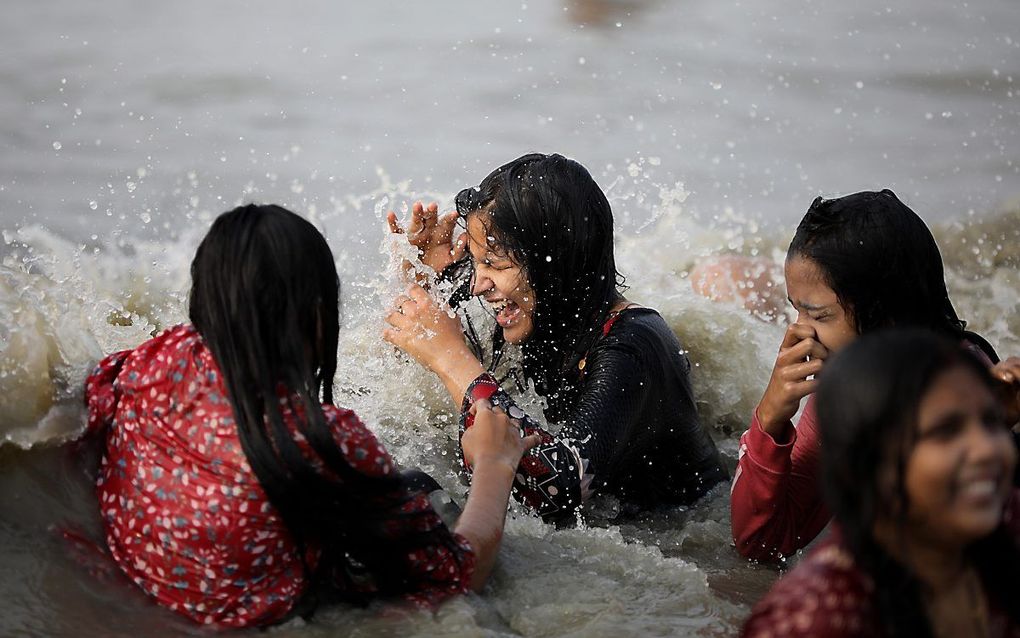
917	467
540	239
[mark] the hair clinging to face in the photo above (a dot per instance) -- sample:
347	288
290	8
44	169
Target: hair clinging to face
867	404
265	298
550	216
868	401
880	259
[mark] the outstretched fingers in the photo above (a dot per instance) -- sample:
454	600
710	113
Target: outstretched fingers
423	220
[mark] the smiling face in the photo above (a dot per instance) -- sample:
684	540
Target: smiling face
817	305
959	473
501	281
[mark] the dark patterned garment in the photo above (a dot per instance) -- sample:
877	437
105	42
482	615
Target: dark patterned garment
631	430
186	518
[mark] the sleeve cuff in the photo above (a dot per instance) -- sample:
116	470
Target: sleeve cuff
483	387
765	451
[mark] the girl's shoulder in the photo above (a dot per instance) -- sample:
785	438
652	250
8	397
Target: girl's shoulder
644	334
358	444
174	355
636	323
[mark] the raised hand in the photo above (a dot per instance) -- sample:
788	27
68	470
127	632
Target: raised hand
800	356
429	332
432	235
422	328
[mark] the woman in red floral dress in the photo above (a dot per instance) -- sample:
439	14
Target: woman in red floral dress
232	490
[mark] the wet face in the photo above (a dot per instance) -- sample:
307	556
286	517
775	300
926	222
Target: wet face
959	473
817	305
501	281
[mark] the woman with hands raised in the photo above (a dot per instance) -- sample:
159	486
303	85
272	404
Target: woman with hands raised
539	254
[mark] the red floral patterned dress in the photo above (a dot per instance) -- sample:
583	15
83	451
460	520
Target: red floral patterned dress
187	520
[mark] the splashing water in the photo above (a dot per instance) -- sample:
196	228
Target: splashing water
64	305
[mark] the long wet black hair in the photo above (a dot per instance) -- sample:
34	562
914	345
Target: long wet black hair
550	216
265	298
882	262
868	401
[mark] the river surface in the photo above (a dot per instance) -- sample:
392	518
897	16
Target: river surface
126	127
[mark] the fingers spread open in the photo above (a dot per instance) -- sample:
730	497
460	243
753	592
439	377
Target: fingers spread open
445	226
423	218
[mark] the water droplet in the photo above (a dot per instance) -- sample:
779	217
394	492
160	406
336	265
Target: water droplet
93	205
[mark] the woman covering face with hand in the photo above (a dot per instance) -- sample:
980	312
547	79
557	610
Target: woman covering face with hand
539	246
856	264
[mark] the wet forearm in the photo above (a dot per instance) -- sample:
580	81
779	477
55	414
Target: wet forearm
458	371
484	515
